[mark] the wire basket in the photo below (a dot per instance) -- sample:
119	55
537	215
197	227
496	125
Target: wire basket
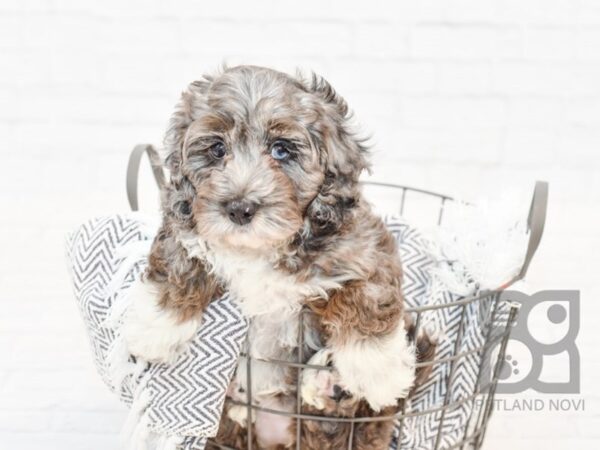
498	318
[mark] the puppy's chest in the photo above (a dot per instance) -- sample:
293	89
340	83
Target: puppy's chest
259	287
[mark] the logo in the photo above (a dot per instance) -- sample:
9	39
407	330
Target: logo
541	353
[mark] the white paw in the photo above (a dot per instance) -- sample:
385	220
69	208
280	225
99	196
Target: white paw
151	332
239	414
319	386
380	370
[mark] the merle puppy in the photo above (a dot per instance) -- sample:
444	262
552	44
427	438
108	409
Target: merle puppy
264	202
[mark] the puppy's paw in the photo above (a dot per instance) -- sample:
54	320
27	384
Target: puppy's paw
321	389
426	344
151	332
239	414
380	370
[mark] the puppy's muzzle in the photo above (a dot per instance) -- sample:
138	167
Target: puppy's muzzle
240	212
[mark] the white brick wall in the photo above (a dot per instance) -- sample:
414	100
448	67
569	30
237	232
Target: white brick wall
461	96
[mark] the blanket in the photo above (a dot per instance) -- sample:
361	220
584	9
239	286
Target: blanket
178	406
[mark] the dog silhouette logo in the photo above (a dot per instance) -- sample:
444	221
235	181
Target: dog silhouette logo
541	353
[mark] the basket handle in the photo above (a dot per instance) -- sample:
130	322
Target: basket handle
133	171
535	223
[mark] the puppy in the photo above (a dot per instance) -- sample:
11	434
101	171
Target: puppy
264	202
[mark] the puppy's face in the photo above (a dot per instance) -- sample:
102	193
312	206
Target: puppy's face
254	150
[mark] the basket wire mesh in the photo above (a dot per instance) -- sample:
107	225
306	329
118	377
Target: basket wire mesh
496	339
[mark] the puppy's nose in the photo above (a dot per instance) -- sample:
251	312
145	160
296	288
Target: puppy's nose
240	211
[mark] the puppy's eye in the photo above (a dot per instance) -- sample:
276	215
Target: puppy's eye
280	150
217	150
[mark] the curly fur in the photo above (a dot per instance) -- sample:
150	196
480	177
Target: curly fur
313	242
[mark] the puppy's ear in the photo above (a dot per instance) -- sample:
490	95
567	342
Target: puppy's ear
343	155
178	197
185	284
191	99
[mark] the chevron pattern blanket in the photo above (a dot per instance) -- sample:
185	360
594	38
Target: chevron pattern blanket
178	406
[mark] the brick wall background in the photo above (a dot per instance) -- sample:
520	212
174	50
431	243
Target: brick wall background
461	96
